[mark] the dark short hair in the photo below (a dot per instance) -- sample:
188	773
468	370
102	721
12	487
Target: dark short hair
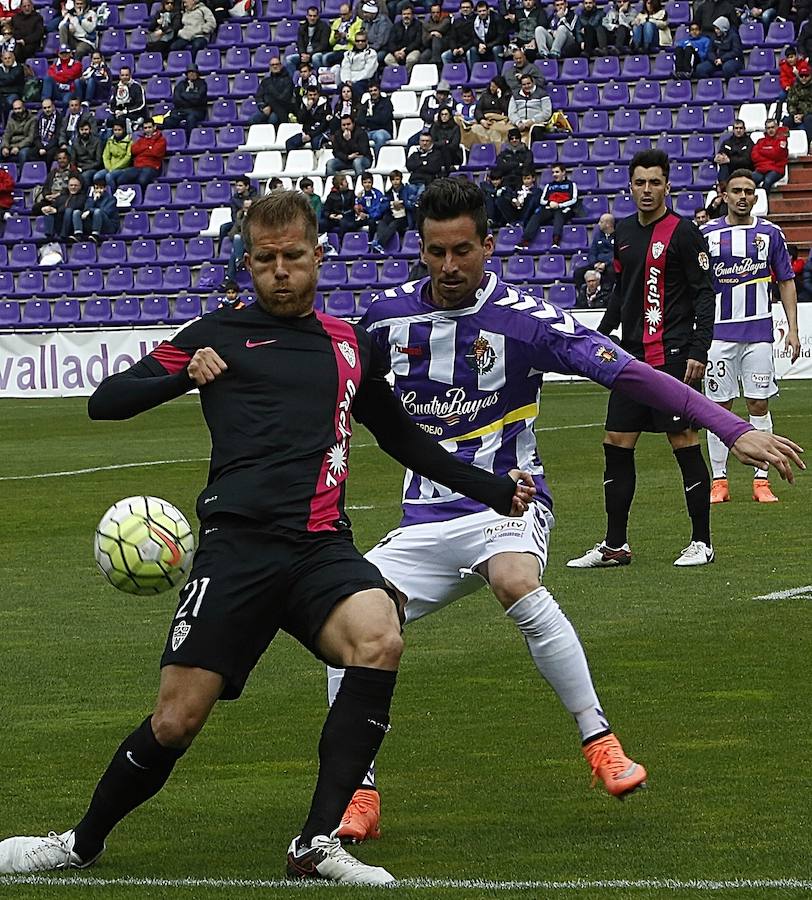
305	182
649	159
243	179
396	172
148	121
278	210
231	286
738	122
449	198
366	176
348	116
739	173
120	122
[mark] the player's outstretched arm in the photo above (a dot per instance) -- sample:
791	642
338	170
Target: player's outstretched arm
139	388
758	448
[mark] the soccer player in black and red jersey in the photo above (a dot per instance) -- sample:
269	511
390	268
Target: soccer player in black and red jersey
664	299
278	385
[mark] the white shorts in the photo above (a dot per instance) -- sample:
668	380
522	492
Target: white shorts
433	564
731	363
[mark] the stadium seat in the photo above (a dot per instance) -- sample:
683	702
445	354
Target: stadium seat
117	61
699	147
494	265
614	178
671	144
286	32
354	244
9	309
677	92
573	151
646	93
157	195
186	307
96	310
686	203
689	118
332	275
223	112
520	267
705	175
623	206
481	156
604	69
297	164
709	91
113	40
66	312
119	280
594	122
626	121
574	69
753	115
198	249
188	194
574	237
158	87
681	174
227	138
58	282
678	12
394	78
760	61
592	208
635	67
562	295
455	73
551	267
657	120
662	67
423	77
210	165
364	299
177	278
407	128
166	222
363	272
18	228
192	222
126	310
769	88
404	104
148	279
134	14
134	224
36	312
719	120
154	310
142	251
779	34
394	272
584	96
32	174
340	303
237	58
23	256
545	153
586	178
614	95
242	163
605	151
244	84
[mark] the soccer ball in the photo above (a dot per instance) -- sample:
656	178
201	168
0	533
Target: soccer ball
144	545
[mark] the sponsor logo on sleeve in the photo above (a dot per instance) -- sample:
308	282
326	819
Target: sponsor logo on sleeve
606	355
704	262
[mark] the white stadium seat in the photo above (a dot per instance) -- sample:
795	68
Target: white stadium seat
390	157
424	75
219	216
299	162
406	129
267	163
753	115
260	137
404	104
285	131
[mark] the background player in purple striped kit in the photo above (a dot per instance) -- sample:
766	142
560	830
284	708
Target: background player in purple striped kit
745	253
663	299
468	353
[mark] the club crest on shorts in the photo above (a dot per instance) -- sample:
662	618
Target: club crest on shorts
606	355
657	249
179	634
481	356
348	353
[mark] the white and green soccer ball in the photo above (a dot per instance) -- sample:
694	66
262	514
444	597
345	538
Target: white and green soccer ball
144	545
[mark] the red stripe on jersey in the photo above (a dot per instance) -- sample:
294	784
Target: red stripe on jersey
172	358
328	499
654	290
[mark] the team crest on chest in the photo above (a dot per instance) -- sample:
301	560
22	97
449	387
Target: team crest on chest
481	356
348	352
657	249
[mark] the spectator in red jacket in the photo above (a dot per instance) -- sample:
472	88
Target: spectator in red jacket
148	153
770	155
7	196
60	82
788	69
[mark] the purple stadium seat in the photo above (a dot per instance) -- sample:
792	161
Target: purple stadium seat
494	264
626	121
584	96
38	229
257	34
635	67
615	94
634	145
363	273
332	275
574	237
614	178
186	307
218	85
193	221
33	174
239	163
158	87
177	278
586	178
455	73
247	110
364	299
229	137
208	60
340	303
59	282
623	206
594	122
592	208
154	310
180	168
657	119
113	40
779	34
663	66
200	249
88	281
30	284
720	119
246	84
769	88
574	151
562	295
177	62
157	195
262	58
506	240
687	203
705	176
709	90
23	256
545	153
551	267
481	156
119	280
646	93
410	245
229	35
677	92
39	66
605	68
761	61
671	144
3	256
9	309
681	174
210	165
212	303
166	222
119	60
355	244
66	312
689	118
394	77
137	40
126	310
142	251
286	32
559	95
678	12
97	310
574	69
740	90
482	73
171	250
605	150
699	147
277	9
18	228
210	275
202	140
175	139
395	272
751	34
134	14
148	279
237	58
188	194
135	224
217	192
36	312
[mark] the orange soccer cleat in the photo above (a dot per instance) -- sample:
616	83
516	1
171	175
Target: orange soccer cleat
719	491
762	492
620	775
362	818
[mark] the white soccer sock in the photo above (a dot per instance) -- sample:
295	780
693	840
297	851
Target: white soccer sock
718	456
762	423
334	679
559	657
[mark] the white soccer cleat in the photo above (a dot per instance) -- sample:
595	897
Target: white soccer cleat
697	553
602	557
20	855
327	860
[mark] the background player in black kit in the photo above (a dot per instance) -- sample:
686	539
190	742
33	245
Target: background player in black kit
278	384
664	300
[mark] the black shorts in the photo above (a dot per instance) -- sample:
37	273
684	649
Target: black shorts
625	414
247	582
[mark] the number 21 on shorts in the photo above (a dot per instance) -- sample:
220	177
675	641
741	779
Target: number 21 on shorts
195	592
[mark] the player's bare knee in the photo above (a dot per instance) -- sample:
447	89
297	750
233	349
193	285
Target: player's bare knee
379	649
176	726
510	592
757	407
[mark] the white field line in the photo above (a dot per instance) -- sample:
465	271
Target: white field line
662	884
801	593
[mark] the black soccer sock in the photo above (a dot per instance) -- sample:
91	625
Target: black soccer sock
352	735
696	481
137	771
619	482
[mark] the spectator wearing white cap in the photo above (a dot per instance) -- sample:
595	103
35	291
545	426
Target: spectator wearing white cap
378	27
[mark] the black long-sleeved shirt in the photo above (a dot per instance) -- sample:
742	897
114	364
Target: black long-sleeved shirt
279	417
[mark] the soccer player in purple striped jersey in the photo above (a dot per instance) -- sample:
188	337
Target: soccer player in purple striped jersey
746	252
468	353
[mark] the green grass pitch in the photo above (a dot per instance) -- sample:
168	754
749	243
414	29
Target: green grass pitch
481	776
